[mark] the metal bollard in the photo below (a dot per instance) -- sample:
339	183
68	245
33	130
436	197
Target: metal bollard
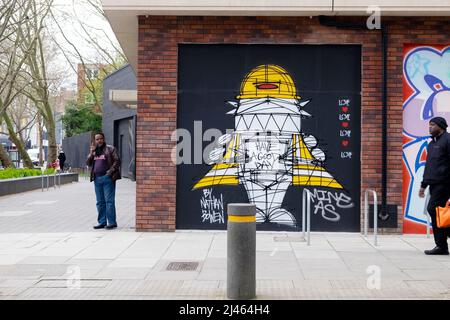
59	179
47	181
241	251
54	179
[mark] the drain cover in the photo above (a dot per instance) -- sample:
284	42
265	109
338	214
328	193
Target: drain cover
182	266
288	239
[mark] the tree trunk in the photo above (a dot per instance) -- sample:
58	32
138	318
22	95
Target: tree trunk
49	121
51	137
19	144
39	134
5	159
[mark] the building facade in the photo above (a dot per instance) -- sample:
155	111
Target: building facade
119	116
330	104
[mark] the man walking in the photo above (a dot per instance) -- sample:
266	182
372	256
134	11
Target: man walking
105	171
62	160
437	177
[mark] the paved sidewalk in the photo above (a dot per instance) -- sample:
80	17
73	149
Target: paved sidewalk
66	209
50	253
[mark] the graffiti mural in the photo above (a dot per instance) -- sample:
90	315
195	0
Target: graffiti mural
259	124
426	94
268	152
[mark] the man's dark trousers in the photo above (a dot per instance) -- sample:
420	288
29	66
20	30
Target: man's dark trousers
439	194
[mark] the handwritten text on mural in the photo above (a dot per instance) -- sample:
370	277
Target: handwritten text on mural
327	202
212	207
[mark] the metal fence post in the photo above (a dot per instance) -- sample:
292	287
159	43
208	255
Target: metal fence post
375	213
42	179
427	199
241	251
375	217
303	214
306	204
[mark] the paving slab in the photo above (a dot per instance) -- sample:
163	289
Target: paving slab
55	254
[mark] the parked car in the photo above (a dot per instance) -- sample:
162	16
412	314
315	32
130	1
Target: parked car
34	156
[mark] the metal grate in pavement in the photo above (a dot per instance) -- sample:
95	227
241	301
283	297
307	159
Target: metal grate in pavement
289	239
182	266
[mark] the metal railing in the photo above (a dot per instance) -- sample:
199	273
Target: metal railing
57	173
425	212
42	179
56	179
375	213
306	210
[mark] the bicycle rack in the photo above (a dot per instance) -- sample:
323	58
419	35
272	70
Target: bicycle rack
375	213
425	212
58	173
306	202
56	179
42	178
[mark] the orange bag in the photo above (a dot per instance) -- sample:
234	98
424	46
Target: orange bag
443	216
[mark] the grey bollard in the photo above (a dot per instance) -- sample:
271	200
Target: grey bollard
241	251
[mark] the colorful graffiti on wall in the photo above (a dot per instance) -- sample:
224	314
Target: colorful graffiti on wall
426	94
267	151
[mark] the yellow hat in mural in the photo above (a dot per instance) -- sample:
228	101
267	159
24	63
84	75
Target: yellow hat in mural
268	81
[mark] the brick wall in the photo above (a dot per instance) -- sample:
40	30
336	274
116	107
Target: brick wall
157	94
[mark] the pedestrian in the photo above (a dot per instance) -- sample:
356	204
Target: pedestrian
105	171
62	159
437	177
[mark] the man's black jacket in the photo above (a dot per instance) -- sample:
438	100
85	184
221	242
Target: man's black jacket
437	167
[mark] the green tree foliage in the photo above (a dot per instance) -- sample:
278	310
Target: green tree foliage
80	118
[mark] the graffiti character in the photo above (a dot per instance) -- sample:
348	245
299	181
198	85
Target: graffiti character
267	151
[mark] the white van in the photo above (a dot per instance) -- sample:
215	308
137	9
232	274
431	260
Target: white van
34	156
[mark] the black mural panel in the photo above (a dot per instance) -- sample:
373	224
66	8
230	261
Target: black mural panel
261	123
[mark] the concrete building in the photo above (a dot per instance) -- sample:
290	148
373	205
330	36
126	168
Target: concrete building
59	102
85	74
342	89
119	116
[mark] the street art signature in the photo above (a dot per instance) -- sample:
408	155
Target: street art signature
426	91
212	207
267	152
325	202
